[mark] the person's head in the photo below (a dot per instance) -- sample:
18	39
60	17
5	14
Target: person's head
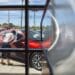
13	31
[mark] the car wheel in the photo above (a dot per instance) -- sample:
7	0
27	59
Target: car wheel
35	61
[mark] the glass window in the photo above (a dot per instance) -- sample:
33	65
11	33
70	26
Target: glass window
49	30
34	24
12	17
16	20
66	15
37	2
34	29
58	2
12	2
12	24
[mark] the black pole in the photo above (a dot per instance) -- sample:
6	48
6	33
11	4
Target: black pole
21	15
26	40
34	19
41	23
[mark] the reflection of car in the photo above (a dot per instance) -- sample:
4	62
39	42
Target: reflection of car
35	40
35	43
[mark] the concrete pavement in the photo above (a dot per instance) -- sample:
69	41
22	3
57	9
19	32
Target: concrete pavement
16	69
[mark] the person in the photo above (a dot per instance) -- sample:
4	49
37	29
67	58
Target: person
1	40
10	37
7	39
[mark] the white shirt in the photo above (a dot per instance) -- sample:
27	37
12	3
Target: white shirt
8	37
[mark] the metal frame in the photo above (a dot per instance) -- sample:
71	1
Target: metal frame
26	39
21	7
12	49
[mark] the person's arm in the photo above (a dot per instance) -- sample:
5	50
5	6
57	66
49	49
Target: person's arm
12	45
20	32
11	41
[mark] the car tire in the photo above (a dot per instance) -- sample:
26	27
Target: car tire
35	59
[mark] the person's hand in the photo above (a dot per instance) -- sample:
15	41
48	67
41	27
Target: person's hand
12	45
12	42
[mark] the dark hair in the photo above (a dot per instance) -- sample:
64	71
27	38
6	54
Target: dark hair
14	32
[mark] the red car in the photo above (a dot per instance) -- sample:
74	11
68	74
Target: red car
35	40
35	43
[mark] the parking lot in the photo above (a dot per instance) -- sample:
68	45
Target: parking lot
16	68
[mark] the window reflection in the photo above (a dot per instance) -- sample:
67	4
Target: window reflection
67	16
12	2
37	2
